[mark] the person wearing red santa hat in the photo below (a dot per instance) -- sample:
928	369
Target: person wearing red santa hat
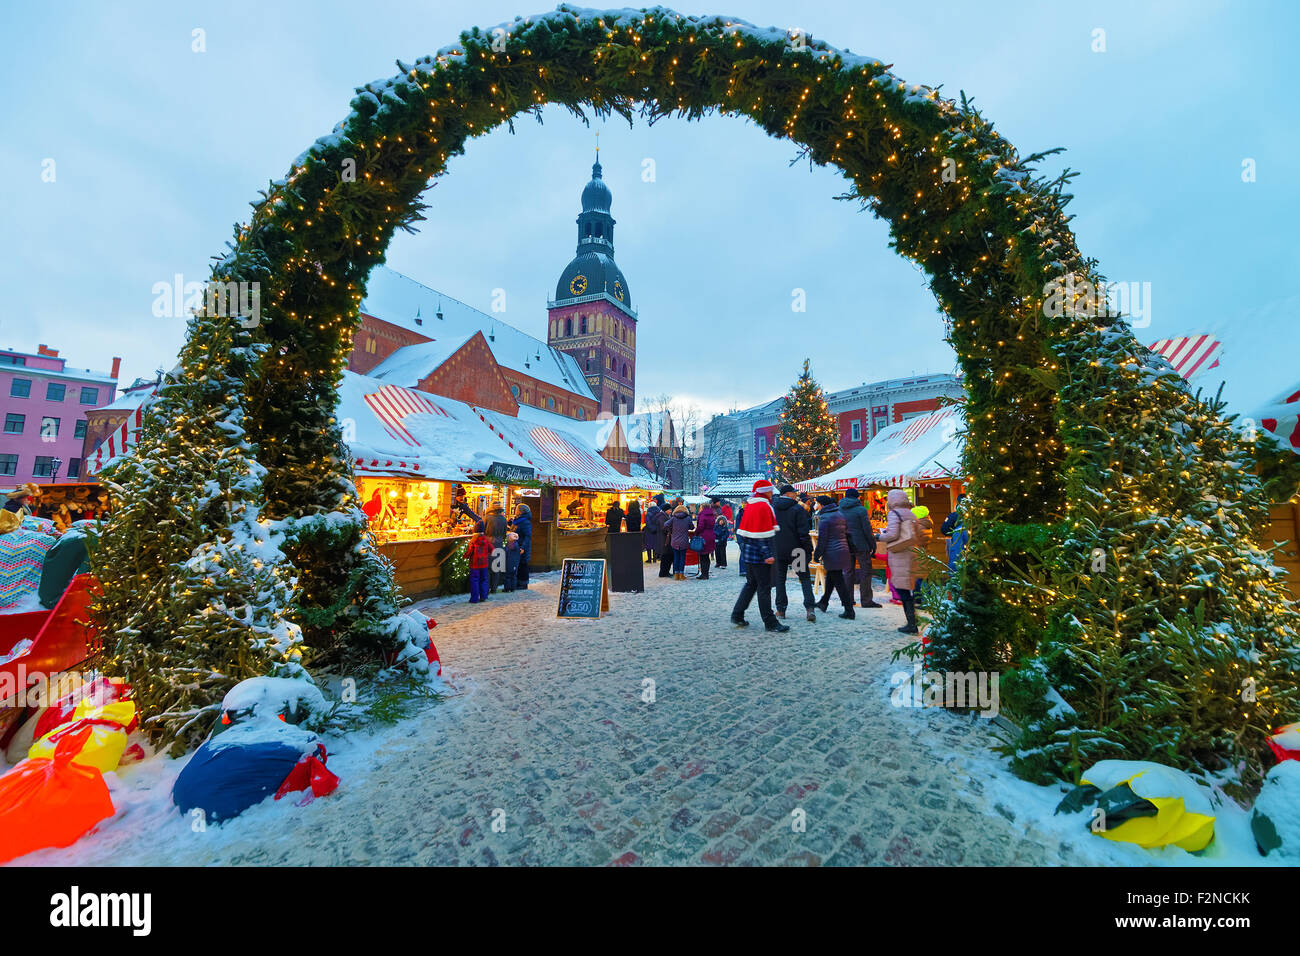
755	534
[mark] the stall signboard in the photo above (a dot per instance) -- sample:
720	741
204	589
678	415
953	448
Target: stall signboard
842	484
510	474
584	588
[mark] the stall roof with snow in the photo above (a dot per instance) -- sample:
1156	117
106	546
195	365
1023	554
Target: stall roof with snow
925	448
558	455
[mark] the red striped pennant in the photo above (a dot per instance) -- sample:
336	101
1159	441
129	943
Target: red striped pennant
392	405
1189	354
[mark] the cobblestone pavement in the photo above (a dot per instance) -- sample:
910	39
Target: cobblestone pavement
548	731
745	729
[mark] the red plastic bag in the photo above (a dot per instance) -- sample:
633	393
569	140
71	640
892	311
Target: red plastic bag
309	773
102	690
48	802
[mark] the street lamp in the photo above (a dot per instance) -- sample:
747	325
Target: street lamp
55	465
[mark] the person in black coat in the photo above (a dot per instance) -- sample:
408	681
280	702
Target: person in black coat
496	527
721	534
862	540
835	554
523	526
633	516
654	528
614	519
793	549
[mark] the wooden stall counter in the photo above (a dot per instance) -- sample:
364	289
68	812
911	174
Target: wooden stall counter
418	564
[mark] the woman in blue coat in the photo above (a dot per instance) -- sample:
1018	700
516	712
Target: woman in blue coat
523	525
834	554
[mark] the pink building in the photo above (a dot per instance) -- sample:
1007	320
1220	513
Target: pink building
44	404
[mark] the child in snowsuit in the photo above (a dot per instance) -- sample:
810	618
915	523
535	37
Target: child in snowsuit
479	553
512	561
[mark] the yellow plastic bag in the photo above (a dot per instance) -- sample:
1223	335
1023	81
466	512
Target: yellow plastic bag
1172	823
102	748
120	712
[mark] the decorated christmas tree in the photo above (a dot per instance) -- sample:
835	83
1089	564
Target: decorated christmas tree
221	613
1169	635
807	439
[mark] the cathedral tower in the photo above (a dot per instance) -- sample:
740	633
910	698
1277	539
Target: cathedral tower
592	317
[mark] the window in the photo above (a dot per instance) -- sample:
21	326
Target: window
514	390
856	431
20	388
89	396
370	345
568	326
762	444
8	464
881	423
625	370
44	467
49	428
74	468
550	402
14	423
12	360
582	412
582	320
55	392
80	430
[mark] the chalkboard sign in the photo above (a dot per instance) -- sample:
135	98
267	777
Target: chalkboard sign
584	591
500	471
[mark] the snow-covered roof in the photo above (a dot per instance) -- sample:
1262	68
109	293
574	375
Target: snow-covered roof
401	300
924	448
399	431
559	456
735	485
599	433
411	364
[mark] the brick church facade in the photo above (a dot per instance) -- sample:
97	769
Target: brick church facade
417	337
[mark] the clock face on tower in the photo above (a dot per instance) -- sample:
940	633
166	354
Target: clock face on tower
618	290
578	285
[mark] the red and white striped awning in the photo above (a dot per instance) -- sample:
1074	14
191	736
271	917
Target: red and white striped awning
392	405
558	457
1189	354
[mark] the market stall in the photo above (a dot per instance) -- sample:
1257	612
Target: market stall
578	488
412	454
921	455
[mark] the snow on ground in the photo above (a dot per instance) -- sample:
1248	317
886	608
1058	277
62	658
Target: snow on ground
549	731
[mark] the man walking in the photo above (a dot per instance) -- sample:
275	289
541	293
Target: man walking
863	538
794	549
755	534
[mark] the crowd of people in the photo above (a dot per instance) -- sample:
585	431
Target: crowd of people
673	529
775	533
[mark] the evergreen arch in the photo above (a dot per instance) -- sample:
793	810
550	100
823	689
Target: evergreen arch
991	234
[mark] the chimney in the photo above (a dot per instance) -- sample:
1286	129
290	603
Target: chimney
44	349
117	367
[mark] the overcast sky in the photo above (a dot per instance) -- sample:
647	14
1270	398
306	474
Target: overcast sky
157	151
